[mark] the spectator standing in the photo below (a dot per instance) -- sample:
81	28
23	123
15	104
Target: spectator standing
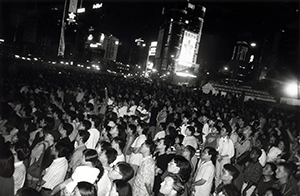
144	180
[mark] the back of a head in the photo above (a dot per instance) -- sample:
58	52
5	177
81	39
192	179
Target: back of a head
28	191
86	189
6	163
126	170
123	188
111	155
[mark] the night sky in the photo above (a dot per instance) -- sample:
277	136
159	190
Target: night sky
225	22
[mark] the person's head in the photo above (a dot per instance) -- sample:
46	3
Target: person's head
172	185
255	154
84	189
273	192
248	131
6	163
118	143
120	188
147	148
225	130
209	153
181	166
131	129
188	152
51	136
269	169
190	130
179	139
65	129
163	144
82	135
21	150
228	190
28	191
86	124
60	149
229	173
284	171
121	171
108	156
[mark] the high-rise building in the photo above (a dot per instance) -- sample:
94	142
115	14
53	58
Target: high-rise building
178	40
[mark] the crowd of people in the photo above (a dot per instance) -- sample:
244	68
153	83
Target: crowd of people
66	132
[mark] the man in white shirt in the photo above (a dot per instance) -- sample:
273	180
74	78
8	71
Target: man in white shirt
94	134
205	173
56	172
226	151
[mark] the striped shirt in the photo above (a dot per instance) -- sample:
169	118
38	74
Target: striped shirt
55	173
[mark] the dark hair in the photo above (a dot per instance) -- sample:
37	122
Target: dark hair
7	167
191	149
288	168
213	152
86	189
111	155
126	170
91	155
120	142
28	191
62	148
132	127
275	192
185	167
49	122
96	119
68	127
87	124
180	137
232	170
105	145
22	149
178	184
192	129
123	188
151	145
257	150
84	134
273	167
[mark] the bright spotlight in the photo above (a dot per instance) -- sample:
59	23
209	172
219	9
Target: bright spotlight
291	89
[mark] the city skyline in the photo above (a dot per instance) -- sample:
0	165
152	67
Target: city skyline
225	22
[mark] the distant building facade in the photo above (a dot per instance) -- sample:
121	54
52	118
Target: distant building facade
179	38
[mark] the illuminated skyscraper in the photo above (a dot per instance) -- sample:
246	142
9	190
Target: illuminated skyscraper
179	38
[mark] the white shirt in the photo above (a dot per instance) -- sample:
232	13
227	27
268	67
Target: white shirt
104	184
82	173
19	175
205	132
55	173
263	158
93	139
225	147
273	154
205	171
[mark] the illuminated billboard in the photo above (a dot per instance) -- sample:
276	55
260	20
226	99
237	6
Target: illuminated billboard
189	47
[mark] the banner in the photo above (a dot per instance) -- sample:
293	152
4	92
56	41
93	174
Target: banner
73	6
188	48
